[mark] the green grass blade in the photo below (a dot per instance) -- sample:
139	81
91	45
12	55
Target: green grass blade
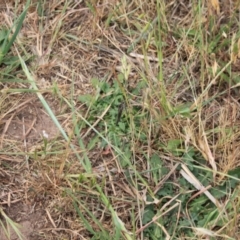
7	44
14	226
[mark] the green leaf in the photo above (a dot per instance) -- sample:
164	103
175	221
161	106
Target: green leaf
183	110
235	172
174	146
95	82
148	214
122	126
87	99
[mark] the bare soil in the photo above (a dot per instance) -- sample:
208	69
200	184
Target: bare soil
31	219
24	128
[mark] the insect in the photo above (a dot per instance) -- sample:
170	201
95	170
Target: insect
120	111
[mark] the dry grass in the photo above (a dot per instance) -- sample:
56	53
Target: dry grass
185	55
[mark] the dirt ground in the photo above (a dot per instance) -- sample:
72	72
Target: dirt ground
31	219
28	124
